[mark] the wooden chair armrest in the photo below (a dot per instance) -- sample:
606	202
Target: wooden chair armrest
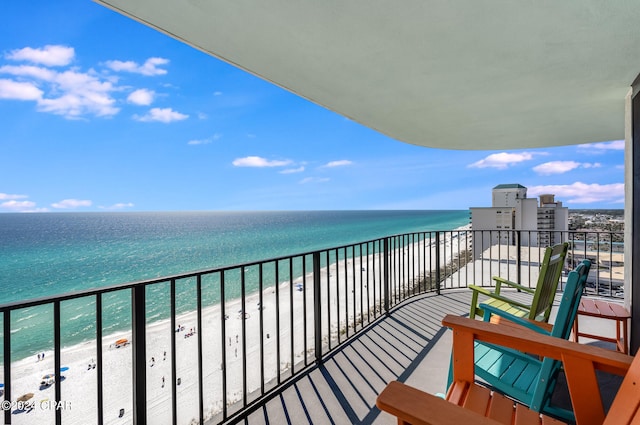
416	407
535	343
495	296
501	280
481	290
495	315
547	327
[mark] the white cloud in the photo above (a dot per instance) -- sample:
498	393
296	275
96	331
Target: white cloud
51	55
211	139
560	167
256	161
292	170
74	93
340	163
10	89
617	145
199	142
30	71
503	160
591	165
9	196
165	115
314	180
556	167
149	68
68	93
582	193
119	206
71	203
12	204
18	206
141	97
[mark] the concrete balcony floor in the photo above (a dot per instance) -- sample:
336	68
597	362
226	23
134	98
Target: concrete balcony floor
409	345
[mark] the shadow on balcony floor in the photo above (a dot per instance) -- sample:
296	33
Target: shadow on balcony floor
410	345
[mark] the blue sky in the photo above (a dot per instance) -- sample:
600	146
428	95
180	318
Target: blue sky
100	113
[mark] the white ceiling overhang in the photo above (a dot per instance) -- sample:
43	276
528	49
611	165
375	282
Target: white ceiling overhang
458	74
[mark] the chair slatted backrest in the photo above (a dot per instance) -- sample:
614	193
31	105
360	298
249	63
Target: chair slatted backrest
548	280
562	327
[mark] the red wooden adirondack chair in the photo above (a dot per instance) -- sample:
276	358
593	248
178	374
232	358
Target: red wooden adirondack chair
470	403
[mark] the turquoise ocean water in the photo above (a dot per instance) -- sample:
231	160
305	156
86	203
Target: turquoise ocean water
46	254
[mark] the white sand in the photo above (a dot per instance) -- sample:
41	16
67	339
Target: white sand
79	388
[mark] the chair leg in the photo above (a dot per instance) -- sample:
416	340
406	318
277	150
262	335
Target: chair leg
474	306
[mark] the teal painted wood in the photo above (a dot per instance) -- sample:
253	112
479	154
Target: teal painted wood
521	376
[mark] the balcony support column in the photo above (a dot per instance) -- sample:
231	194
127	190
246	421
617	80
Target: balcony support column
632	209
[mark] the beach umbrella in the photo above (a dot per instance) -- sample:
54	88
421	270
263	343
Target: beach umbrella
48	379
25	397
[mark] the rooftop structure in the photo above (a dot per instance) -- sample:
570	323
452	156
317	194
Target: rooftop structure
512	210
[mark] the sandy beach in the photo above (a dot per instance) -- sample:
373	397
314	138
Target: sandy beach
350	298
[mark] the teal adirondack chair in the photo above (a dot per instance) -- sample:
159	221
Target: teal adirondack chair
528	379
543	294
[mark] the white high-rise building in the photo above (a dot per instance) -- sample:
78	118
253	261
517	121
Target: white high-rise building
539	224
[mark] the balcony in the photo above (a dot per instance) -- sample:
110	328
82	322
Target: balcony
312	337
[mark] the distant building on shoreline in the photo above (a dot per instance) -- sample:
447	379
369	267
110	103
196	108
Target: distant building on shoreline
540	224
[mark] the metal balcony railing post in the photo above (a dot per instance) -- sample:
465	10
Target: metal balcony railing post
199	336
56	359
99	380
138	320
385	271
519	256
174	360
6	321
317	307
438	263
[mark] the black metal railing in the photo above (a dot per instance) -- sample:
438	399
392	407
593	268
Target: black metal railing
231	337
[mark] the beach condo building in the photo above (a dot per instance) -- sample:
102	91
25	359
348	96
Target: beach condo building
513	215
464	75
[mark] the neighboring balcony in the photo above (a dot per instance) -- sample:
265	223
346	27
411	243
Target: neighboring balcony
310	338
